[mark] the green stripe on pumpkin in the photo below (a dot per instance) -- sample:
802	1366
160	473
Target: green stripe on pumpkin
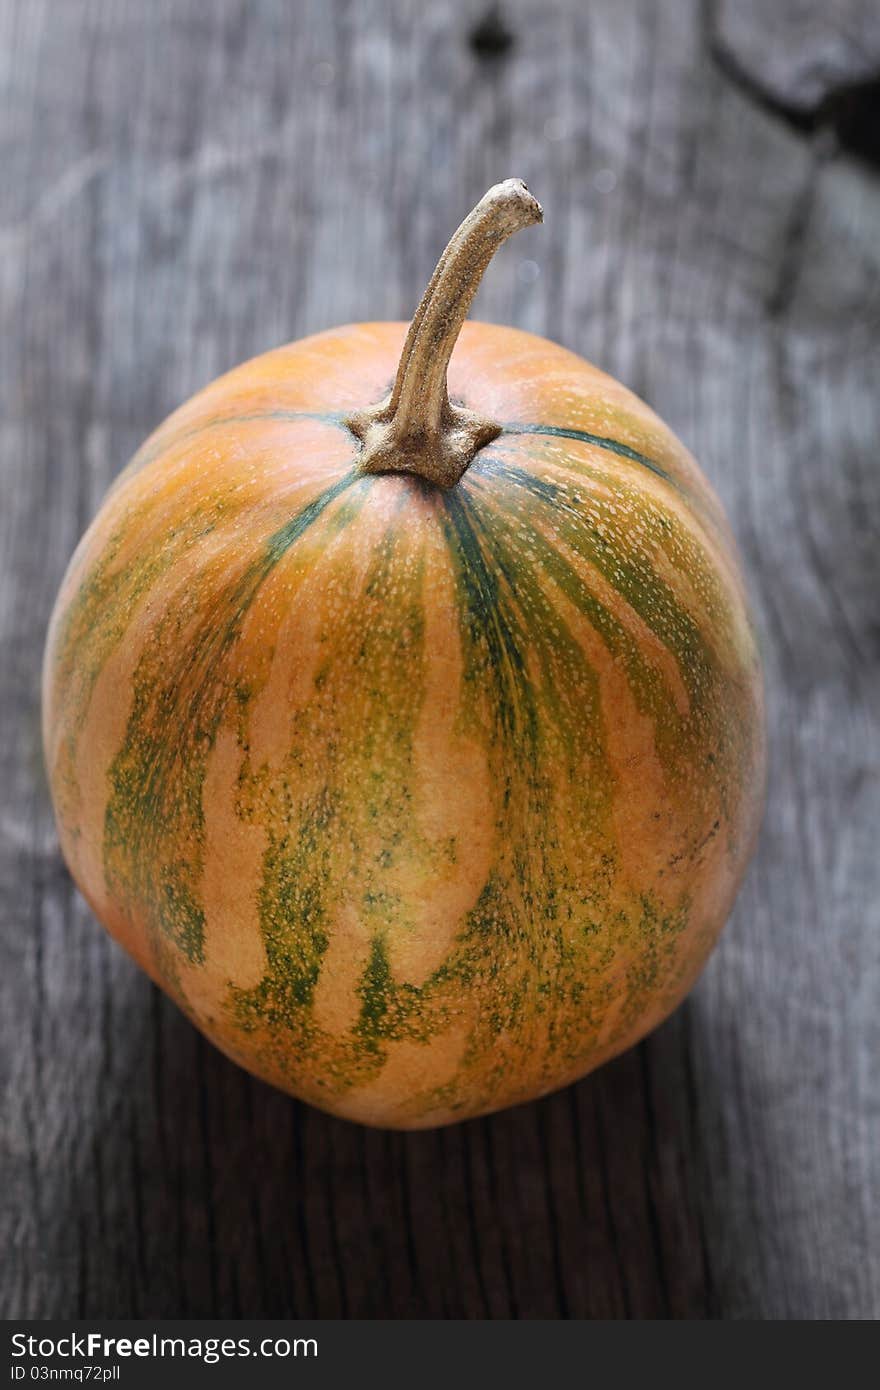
156	777
600	441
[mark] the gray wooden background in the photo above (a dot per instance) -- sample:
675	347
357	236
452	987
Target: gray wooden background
188	183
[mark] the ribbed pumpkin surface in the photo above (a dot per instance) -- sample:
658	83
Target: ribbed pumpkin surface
418	802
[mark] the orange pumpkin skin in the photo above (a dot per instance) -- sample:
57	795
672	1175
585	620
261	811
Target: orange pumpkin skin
420	803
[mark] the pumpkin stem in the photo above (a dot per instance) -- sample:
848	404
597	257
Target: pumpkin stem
417	429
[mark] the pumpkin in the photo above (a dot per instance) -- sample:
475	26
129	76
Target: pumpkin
403	714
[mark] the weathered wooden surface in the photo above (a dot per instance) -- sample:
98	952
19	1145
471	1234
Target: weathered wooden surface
186	184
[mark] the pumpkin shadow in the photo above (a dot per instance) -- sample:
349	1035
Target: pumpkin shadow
201	1192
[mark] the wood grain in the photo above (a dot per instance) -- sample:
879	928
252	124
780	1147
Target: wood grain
188	184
